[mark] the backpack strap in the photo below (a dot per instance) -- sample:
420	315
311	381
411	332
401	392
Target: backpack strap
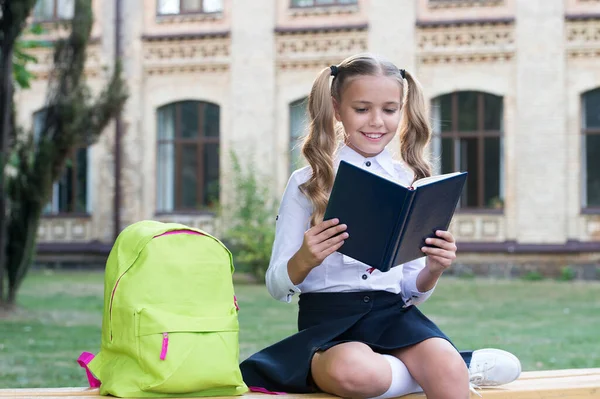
84	359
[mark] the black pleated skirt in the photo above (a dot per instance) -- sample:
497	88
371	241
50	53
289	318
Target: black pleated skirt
375	318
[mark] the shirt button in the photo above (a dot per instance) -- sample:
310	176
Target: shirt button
364	277
366	299
368	163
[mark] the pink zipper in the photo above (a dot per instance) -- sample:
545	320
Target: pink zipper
165	346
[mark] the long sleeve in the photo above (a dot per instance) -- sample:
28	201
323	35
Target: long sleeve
410	294
290	225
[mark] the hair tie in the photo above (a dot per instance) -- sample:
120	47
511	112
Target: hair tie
403	73
334	70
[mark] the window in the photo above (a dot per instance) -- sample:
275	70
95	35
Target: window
591	148
468	137
70	192
188	156
298	126
169	7
53	10
320	3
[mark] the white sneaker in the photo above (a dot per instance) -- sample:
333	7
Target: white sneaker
492	367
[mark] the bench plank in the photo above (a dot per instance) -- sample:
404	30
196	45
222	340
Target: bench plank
551	384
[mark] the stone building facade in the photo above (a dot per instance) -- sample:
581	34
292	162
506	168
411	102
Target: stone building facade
514	88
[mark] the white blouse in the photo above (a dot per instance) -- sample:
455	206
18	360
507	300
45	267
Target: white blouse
337	273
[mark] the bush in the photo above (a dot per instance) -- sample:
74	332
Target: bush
250	220
567	273
533	275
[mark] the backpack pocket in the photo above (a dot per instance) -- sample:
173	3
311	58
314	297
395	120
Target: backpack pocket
185	354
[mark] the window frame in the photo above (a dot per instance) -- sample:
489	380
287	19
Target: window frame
182	11
178	143
335	4
52	207
480	134
585	132
55	17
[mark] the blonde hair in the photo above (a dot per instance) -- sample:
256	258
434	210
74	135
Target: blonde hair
321	142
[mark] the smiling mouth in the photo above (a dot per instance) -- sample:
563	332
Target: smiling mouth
373	136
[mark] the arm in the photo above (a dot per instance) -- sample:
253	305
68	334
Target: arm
296	251
291	223
421	276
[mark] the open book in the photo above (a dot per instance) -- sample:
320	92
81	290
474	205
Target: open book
387	222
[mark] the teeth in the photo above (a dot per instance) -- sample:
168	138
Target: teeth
373	136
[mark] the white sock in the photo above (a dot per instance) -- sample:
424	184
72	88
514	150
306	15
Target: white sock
402	382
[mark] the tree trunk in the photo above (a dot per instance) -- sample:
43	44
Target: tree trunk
5	114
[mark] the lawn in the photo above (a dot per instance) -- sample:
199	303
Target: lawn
547	324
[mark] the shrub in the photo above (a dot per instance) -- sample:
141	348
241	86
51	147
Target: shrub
250	220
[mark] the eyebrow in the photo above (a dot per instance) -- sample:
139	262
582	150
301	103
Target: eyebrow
368	102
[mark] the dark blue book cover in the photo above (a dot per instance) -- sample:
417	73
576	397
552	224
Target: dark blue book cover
387	222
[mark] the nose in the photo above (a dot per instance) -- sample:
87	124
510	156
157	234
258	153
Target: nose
376	118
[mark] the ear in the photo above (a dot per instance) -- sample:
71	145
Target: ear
336	109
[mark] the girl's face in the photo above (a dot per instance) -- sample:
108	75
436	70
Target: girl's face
370	112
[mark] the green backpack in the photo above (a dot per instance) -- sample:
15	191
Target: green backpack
170	325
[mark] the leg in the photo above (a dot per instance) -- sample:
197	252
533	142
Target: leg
353	370
443	375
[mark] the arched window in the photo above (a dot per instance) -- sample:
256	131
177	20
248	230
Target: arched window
298	126
591	148
70	192
468	137
187	156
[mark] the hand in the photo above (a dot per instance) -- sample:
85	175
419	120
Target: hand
439	259
320	241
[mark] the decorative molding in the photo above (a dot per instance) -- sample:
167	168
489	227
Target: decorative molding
466	43
190	55
441	4
45	60
478	227
334	10
309	51
185	36
190	17
583	38
181	69
64	229
425	23
514	247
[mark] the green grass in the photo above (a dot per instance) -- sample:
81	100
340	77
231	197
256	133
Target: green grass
547	324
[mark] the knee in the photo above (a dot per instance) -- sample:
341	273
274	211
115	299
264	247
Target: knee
356	374
453	372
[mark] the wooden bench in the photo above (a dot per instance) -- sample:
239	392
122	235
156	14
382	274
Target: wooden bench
564	384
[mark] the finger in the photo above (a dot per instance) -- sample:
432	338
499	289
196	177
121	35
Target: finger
331	249
324	225
442	253
438	242
446	235
330	242
331	232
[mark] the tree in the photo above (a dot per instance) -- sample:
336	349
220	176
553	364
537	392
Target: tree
72	118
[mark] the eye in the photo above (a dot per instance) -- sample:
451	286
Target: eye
360	110
390	110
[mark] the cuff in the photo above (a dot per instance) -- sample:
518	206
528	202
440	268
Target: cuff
286	288
411	295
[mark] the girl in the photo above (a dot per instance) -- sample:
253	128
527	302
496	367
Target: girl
360	335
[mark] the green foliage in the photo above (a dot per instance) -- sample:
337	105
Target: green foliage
567	273
250	220
532	275
21	56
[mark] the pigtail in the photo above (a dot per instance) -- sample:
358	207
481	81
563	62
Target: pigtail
415	131
319	146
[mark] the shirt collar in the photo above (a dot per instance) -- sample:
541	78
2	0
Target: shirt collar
384	159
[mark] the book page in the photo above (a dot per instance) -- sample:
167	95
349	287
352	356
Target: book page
433	179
